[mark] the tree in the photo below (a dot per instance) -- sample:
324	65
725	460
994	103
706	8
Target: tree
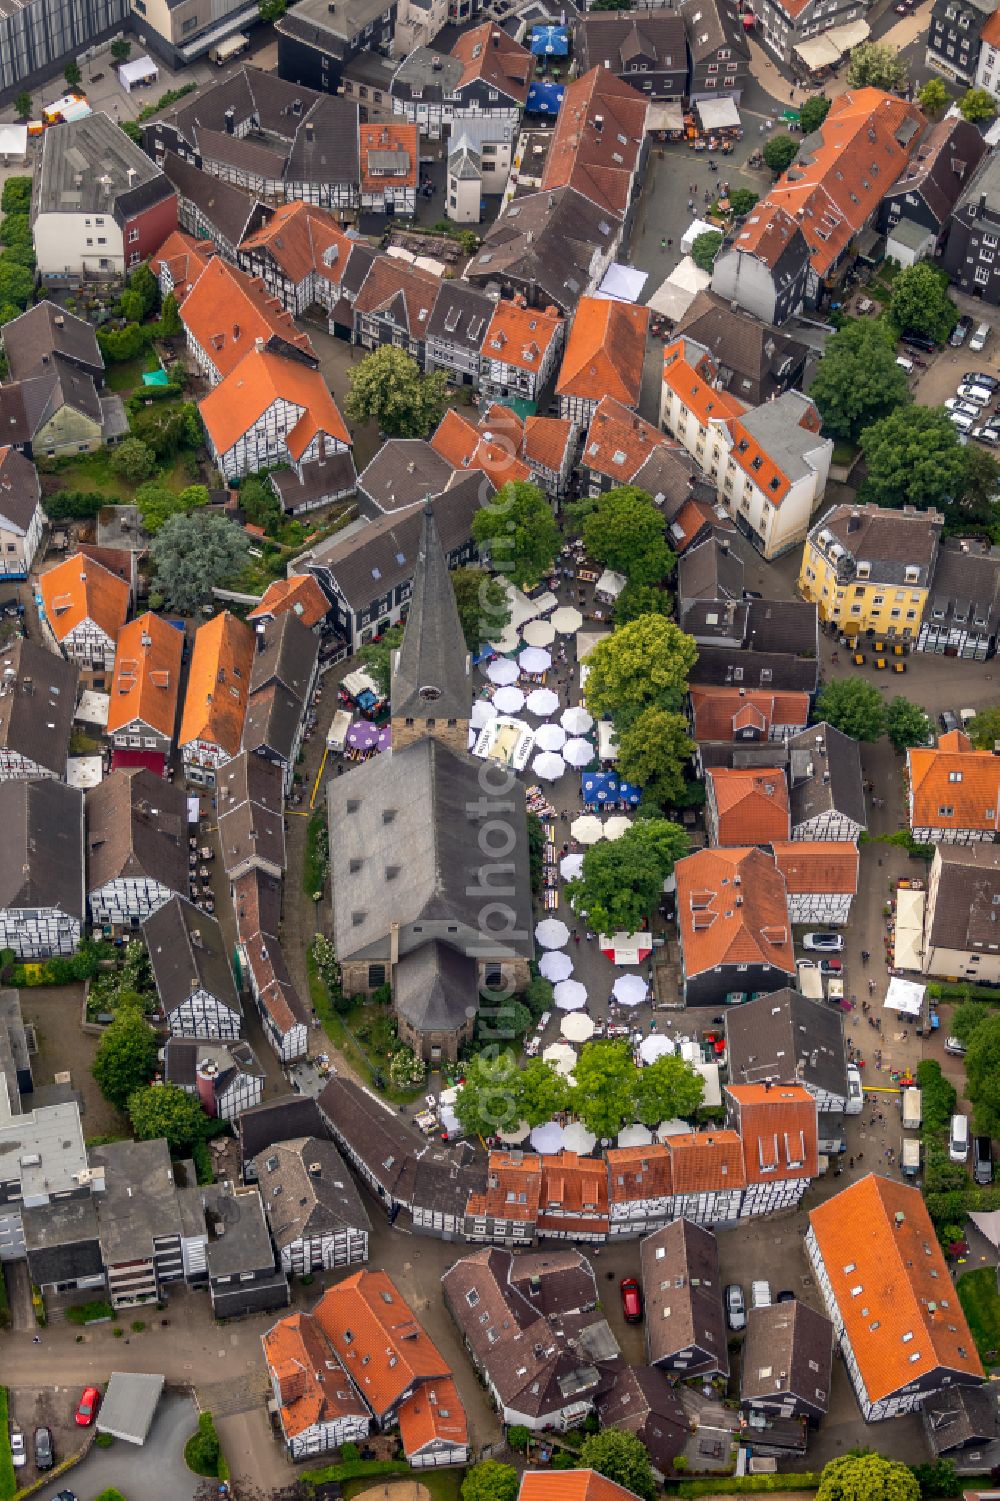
406	1069
643	665
982	1075
543	1092
133	459
604	1094
642	599
813	112
623	1458
483	606
166	1110
984	730
967	1018
933	97
920	304
194	553
272	10
132	130
145	283
259	504
854	707
16	282
913	457
978	104
907	724
653	752
170	318
377	656
519	532
130	306
779	153
72	75
705	248
121	49
490	1481
490	1098
125	1057
876	66
667	1090
622	879
23	106
867	1477
741	201
625	532
388	388
979	492
858	381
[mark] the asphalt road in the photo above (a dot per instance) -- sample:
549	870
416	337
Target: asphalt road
160	1461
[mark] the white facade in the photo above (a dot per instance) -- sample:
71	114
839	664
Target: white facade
465	188
127	901
38	932
202	759
18	548
325	1252
87	643
500	380
14	767
264	445
831	825
825	908
73	244
389	197
204	1015
988	71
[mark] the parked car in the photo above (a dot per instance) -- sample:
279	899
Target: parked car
824	943
785	1296
962	421
760	1294
86	1410
981	378
44	1454
988	434
982	1160
736	1308
978	341
18	1449
631	1300
961	331
979	396
955	1046
920	341
965	406
831	966
948	721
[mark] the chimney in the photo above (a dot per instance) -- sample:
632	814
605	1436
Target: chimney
495	38
598	123
258	344
236	330
230	118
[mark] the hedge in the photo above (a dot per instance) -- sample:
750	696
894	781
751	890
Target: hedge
8	1480
75	505
941	991
89	1313
354	1469
951	1208
736	1483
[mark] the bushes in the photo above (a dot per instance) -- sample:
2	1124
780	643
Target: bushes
938	1097
941	991
202	1159
75	505
8	1481
203	1452
16	197
83	966
732	1484
353	1469
90	1313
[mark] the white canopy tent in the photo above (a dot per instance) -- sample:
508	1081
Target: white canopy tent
718	114
664	115
904	996
570	995
908	940
137	70
577	1026
635	1136
825	51
695	228
610	584
539	633
622	283
547	1138
576	1138
676	293
551	933
549	737
562	1058
555	965
13	141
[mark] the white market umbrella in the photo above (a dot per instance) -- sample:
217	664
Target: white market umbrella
577	1027
550	737
635	1136
482	712
616	825
654	1046
552	933
555	965
508	642
630	990
502	671
578	752
567	620
547	1138
543	702
571	866
539	633
508	699
587	829
576	1138
534	659
562	1058
549	766
576	721
570	995
516	1134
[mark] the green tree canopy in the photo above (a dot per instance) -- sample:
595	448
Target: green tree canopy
642	665
72	74
133	459
913	457
705	248
23	105
978	104
121	48
653	752
625	532
982	1075
518	530
813	112
483	606
867	1477
876	65
490	1099
377	656
978	496
170	318
907	724
984	730
388	388
192	554
667	1090
858	381
604	1094
741	201
622	881
490	1481
623	1458
17	282
125	1057
967	1018
259	504
933	97
167	1110
854	707
920	304
779	153
543	1092
143	281
642	599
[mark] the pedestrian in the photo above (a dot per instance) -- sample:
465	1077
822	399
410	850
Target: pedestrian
852	1162
36	1339
861	1156
690	205
663	244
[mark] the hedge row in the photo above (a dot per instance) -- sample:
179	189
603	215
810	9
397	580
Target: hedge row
941	990
8	1480
717	1485
354	1469
951	1208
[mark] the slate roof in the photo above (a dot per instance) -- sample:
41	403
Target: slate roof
788	1351
759	359
642	1401
889	540
376	1134
966	584
712	570
402	473
47	329
461	316
41	846
682	1289
37	703
436	988
788	1039
286	653
276	1120
137	829
431	671
963	910
307	1191
825	774
187	951
956	1416
229	209
250	804
707	31
948	153
20	490
546	240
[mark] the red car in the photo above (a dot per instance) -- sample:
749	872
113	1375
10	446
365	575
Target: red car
86	1410
631	1300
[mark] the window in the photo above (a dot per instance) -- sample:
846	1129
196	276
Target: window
133	237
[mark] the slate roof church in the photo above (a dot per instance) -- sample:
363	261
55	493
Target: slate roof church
423	897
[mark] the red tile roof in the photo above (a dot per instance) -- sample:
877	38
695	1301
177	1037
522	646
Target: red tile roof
513	1188
990	31
467	447
690	372
820	865
488	53
778	1129
147	675
79	589
752	804
227	312
297	237
618	441
393	136
520	336
636	1173
411	289
716	710
758	464
185	257
706	1162
892	1285
300	594
570	1485
434	1414
954	776
597	139
242	398
766	233
605	351
573	1185
215	703
732	909
299	1359
546	440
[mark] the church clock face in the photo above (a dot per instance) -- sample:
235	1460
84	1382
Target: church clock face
429	694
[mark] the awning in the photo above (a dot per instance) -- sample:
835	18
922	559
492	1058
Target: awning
550	41
718	114
13	140
139	760
826	51
909	936
129	1406
544	98
622	283
664	116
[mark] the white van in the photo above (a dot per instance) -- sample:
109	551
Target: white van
978	340
958	1138
904	363
855	1092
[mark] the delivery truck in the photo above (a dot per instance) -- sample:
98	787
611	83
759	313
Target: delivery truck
909	1157
810	981
912	1110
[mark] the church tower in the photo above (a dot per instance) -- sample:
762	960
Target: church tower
431	691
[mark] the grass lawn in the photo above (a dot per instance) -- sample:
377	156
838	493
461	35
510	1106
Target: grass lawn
127	376
93	472
844	453
977	1293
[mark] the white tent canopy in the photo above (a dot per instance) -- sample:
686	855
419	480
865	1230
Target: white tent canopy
988	1224
576	720
570	995
13	140
718	114
567	619
539	633
502	672
622	283
655	1046
576	1138
630	990
547	1138
826	51
664	115
616	826
587	829
555	965
635	1136
551	933
908	940
695	228
562	1058
138	70
905	996
610	583
542	701
548	737
577	1026
570	866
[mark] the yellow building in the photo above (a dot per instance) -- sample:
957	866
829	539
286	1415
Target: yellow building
869	568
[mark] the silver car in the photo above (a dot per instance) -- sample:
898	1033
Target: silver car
736	1308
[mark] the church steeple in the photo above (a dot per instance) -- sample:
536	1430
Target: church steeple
431	678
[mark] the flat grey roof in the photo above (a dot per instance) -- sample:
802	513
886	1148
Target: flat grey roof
88	164
129	1406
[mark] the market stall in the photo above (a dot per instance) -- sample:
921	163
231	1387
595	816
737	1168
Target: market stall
137	71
